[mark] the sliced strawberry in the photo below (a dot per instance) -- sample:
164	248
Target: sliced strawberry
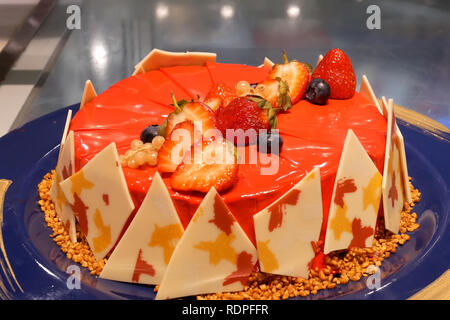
200	114
222	91
296	75
176	145
276	91
213	102
268	89
209	163
337	70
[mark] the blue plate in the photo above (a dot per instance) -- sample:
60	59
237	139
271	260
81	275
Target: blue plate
33	267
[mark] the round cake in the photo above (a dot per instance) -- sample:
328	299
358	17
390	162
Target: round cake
317	178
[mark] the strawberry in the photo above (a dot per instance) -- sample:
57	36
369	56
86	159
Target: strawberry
177	143
200	114
209	163
222	92
268	89
336	69
213	102
295	74
276	91
245	113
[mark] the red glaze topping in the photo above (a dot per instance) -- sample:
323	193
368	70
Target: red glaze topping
313	135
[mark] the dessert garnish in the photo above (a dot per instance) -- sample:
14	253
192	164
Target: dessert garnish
244	88
149	133
277	228
295	73
276	91
209	163
337	70
149	241
249	114
221	95
99	198
199	113
270	142
216	247
318	91
141	153
182	137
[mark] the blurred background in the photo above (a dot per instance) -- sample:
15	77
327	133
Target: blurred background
47	53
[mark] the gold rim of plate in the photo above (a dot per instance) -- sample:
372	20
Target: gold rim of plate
419	120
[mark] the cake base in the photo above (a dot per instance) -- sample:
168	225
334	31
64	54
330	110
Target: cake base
340	267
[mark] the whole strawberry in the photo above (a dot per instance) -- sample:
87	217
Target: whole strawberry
248	115
337	70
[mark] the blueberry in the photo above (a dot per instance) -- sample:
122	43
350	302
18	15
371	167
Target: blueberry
270	142
149	133
318	91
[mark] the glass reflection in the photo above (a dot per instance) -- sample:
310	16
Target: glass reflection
227	11
293	11
99	55
162	11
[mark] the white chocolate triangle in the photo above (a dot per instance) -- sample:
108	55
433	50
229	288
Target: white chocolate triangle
367	92
66	130
64	168
99	197
144	251
355	200
319	58
138	70
285	231
393	181
267	63
89	93
401	147
213	248
161	59
404	164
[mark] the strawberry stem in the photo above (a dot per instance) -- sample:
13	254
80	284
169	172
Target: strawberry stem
284	100
285	58
176	105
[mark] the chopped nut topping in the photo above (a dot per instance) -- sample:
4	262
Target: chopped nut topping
341	266
78	252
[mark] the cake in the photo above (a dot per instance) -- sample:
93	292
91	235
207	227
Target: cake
340	173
